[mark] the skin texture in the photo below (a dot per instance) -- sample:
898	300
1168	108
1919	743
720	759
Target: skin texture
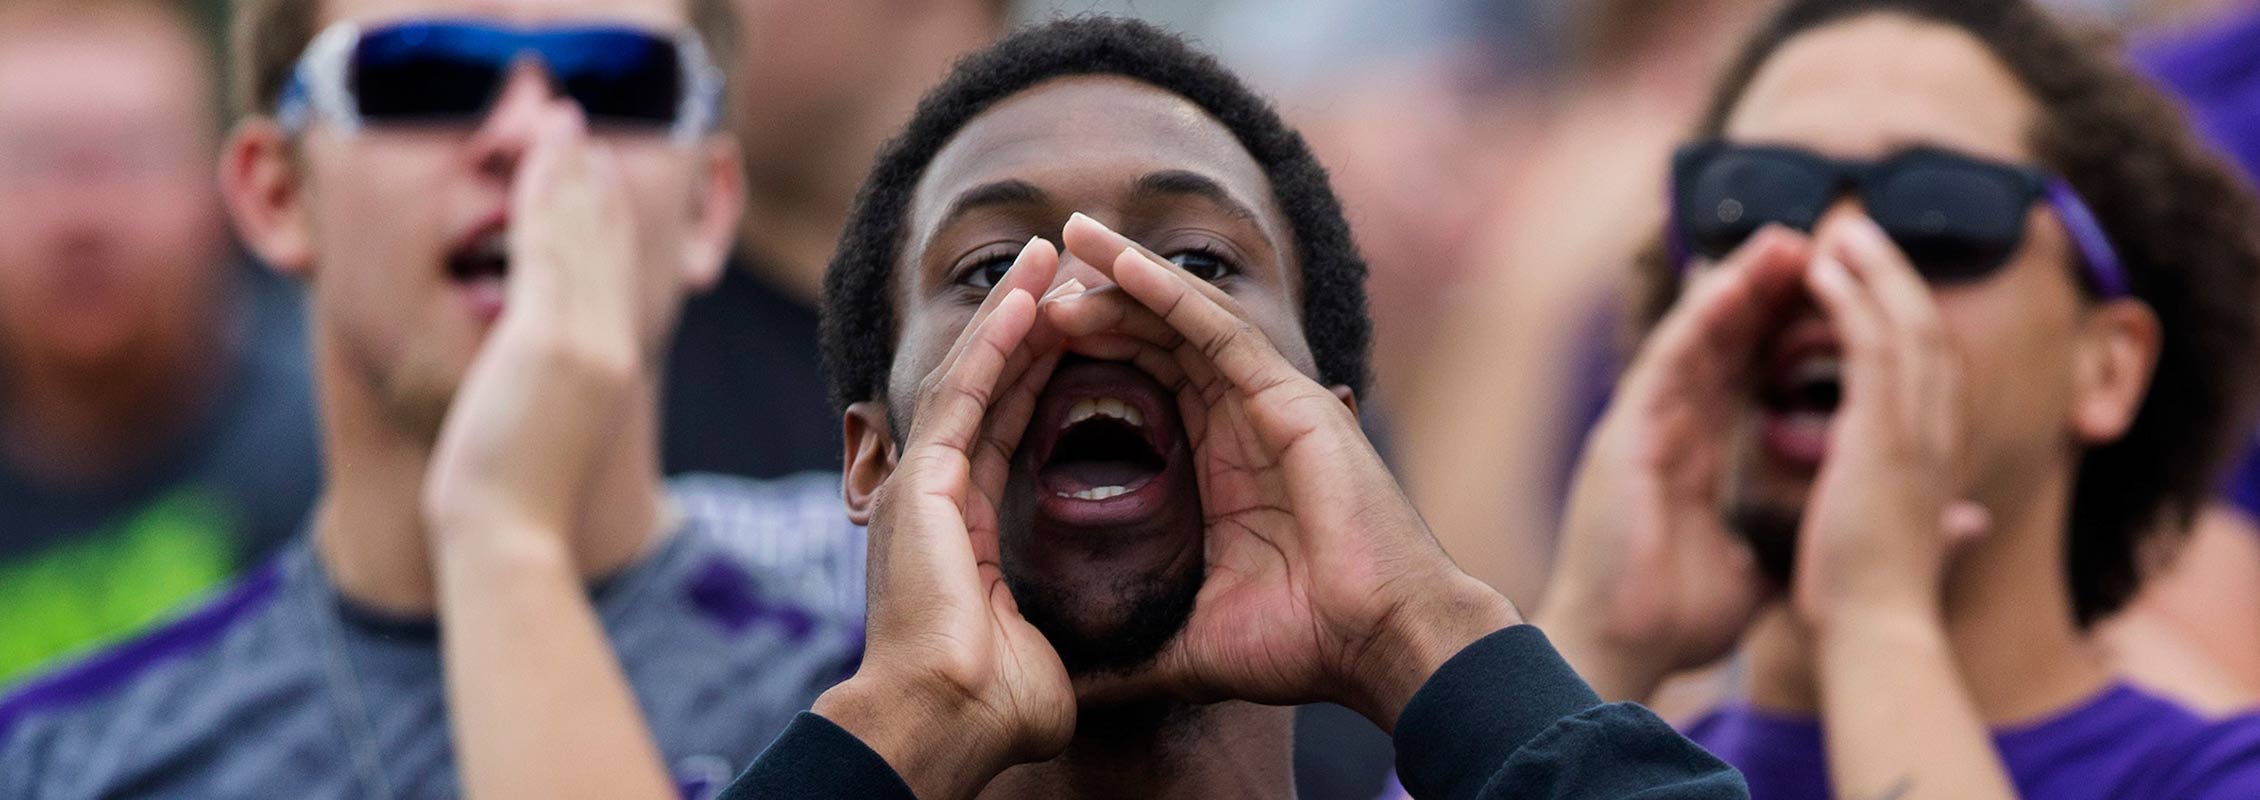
113	276
2194	631
485	467
1934	530
1287	488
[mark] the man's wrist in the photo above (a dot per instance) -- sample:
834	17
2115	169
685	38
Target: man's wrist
1421	638
500	543
934	742
1861	627
1860	610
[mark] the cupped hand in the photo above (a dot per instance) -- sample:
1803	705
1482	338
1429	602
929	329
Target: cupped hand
533	412
955	685
1884	516
1322	581
1649	579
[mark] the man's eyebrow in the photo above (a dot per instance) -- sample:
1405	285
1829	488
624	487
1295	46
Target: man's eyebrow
989	195
1181	182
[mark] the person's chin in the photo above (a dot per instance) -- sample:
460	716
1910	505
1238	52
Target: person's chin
1101	520
1109	598
419	392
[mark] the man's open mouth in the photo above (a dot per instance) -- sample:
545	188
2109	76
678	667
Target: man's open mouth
1803	385
480	270
1104	438
1101	452
482	257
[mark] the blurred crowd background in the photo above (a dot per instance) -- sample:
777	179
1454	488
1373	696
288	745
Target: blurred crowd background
1501	160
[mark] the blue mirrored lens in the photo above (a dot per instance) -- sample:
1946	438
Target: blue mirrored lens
427	72
620	76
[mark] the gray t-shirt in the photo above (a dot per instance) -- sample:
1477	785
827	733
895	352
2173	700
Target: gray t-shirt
279	688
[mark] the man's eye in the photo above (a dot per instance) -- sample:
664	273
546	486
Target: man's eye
1203	265
984	275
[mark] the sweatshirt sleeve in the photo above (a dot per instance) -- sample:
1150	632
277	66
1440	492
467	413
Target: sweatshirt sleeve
814	758
1507	717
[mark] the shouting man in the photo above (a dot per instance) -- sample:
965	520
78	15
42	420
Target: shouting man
1115	528
496	207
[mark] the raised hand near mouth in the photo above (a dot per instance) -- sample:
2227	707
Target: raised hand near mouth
1323	583
1879	529
503	492
528	421
1882	519
955	685
1649	579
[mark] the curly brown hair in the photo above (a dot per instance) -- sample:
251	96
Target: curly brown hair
268	36
2184	225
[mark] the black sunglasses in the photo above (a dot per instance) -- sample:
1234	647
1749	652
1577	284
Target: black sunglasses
1959	218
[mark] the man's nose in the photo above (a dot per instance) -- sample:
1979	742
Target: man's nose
1844	207
503	137
1075	269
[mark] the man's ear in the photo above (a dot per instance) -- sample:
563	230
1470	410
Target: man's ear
717	201
870	458
2114	359
265	195
1347	396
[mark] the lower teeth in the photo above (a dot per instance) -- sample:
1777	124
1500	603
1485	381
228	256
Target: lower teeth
1099	493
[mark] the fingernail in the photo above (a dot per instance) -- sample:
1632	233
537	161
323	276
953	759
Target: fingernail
1093	221
1025	249
1072	286
1866	228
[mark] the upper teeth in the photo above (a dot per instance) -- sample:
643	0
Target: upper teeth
1816	370
1103	407
492	245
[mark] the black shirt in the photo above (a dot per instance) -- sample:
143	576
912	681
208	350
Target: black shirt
1504	718
745	394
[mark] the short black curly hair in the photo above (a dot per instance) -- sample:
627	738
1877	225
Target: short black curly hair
859	316
2182	222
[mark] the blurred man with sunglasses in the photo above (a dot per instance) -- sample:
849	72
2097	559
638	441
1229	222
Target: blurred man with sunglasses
1959	314
497	208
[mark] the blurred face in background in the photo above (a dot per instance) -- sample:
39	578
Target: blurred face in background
811	64
1863	89
402	229
110	237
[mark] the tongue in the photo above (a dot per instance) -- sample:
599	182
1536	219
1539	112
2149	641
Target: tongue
1076	476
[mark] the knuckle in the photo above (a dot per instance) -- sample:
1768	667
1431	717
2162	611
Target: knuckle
933	391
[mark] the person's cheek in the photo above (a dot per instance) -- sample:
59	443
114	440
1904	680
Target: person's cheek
1282	324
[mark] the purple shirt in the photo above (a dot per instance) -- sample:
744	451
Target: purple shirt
2215	71
2122	744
